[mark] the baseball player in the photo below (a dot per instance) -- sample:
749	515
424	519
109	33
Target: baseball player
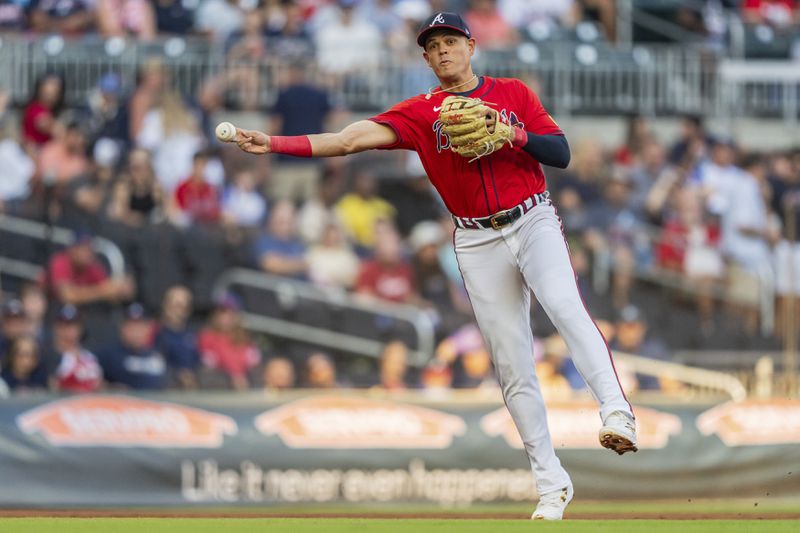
481	141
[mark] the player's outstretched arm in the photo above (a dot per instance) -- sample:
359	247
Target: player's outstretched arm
357	137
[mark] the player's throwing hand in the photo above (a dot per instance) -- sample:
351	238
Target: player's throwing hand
253	142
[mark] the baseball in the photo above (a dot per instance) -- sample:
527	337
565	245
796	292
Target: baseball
226	132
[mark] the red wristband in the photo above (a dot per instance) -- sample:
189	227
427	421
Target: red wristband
298	145
520	137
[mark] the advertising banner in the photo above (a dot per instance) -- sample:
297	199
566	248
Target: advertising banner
340	447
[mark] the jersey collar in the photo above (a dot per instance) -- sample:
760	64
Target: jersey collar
485	84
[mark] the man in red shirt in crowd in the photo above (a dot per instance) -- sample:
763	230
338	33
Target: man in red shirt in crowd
76	276
389	276
196	200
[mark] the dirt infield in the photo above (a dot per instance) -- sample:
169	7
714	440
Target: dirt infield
451	515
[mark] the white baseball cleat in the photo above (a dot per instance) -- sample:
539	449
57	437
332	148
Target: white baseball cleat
551	505
619	433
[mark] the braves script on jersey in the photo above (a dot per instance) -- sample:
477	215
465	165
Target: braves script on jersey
490	184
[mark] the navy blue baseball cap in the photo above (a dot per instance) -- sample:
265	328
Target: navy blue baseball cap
442	21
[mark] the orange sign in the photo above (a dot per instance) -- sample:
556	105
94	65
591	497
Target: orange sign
753	422
576	425
106	420
357	422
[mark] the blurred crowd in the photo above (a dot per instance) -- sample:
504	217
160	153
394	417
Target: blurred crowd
348	33
712	220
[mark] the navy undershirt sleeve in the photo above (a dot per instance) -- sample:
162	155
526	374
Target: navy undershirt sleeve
550	150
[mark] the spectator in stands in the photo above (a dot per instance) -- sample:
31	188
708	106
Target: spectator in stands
413	198
389	276
63	17
332	262
362	208
301	108
76	369
637	135
382	13
616	233
717	176
393	367
317	212
105	114
84	200
279	251
174	17
13	16
648	168
291	38
175	339
320	372
747	236
18	167
785	185
151	81
549	14
171	132
196	201
242	203
76	276
137	198
279	374
39	118
133	361
632	337
777	13
63	160
15	324
123	18
692	143
450	307
22	370
348	44
226	347
246	49
586	171
466	353
603	12
488	26
219	18
34	304
689	244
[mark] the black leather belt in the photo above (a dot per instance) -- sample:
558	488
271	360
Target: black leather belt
504	218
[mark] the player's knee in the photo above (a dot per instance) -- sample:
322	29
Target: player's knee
563	307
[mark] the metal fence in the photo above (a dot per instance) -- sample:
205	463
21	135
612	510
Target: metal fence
574	78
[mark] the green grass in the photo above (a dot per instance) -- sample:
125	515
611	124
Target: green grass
342	525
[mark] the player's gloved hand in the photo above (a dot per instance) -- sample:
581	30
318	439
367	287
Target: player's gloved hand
473	127
253	142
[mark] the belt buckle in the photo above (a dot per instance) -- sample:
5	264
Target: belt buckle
495	224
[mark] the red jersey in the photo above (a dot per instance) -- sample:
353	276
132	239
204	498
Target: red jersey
199	200
394	283
61	270
492	183
220	351
29	130
79	371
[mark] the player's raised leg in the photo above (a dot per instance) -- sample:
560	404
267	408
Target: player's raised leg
502	310
545	262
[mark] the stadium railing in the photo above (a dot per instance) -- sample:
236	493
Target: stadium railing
303	312
25	245
588	77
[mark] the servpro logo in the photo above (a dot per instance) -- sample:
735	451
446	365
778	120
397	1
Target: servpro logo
576	425
107	420
354	422
753	422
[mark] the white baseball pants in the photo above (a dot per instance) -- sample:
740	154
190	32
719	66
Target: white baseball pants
500	268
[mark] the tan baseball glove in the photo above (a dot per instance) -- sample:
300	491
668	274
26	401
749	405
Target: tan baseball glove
473	127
